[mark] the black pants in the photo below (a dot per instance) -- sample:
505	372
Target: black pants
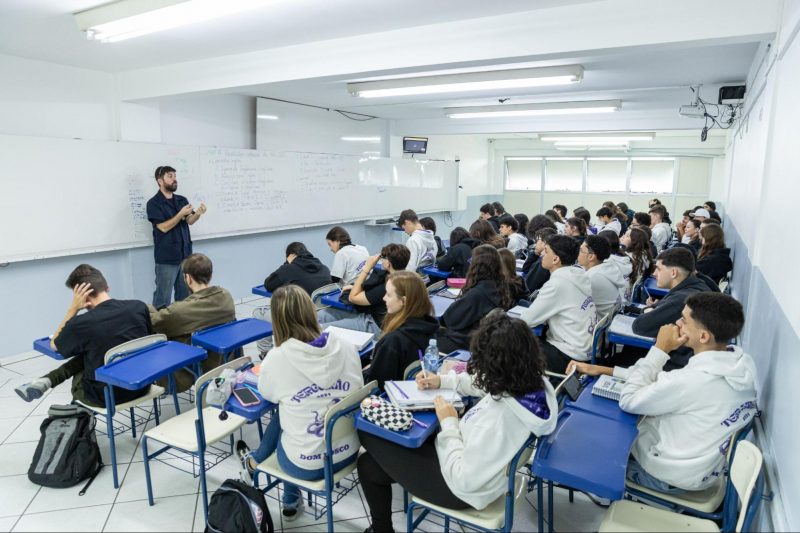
415	469
557	360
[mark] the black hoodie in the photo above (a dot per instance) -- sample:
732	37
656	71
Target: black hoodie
716	264
458	257
464	315
537	276
399	348
305	271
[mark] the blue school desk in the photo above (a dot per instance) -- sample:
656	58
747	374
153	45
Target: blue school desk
410	438
43	346
332	300
229	337
585	452
140	369
252	413
653	289
600	406
434	272
617	334
260	290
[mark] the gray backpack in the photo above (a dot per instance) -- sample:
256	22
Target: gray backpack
67	452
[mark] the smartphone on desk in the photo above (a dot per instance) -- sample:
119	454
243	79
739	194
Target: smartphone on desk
246	396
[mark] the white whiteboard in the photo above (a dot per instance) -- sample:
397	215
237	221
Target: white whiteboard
64	196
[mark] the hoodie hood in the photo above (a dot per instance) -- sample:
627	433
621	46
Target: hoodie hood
321	362
692	282
308	263
419	330
576	276
427	237
733	365
612	271
469	241
536	411
623	264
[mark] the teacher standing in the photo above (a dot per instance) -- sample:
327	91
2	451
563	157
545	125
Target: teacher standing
171	215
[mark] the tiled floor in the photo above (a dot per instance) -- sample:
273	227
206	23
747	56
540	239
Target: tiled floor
28	507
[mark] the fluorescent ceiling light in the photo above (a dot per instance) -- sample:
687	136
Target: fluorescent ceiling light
592	143
604	137
268	117
533	110
469	81
362	139
126	19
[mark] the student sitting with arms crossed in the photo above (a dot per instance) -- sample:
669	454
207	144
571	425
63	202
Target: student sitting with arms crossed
466	465
420	241
305	374
83	340
367	292
407	328
690	413
486	288
508	229
348	259
565	304
204	307
457	258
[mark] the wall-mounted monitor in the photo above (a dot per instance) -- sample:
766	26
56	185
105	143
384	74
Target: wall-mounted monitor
415	145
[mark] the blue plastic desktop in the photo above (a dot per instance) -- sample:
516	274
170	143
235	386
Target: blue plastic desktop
600	406
43	346
226	338
653	289
145	366
252	413
434	272
332	299
625	340
410	438
260	290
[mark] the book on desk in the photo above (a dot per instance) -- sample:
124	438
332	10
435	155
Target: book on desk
359	339
608	387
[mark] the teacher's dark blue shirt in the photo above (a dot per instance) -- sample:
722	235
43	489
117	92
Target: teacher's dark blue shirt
175	245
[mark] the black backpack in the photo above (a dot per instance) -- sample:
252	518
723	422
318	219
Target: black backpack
67	452
238	507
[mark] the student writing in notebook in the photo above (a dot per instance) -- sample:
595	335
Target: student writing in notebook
690	413
465	464
348	259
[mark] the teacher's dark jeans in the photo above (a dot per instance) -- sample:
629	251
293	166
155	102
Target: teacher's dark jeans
169	277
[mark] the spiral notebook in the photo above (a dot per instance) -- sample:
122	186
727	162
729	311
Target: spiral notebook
608	387
407	395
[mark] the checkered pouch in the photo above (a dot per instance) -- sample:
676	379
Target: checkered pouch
385	414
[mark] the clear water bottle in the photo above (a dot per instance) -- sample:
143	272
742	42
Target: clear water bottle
431	360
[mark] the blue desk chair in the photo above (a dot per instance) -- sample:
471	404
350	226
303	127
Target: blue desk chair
498	516
701	503
339	421
748	484
127	349
599	334
317	295
194	432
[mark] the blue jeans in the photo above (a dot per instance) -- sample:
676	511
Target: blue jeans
344	319
167	278
270	443
638	475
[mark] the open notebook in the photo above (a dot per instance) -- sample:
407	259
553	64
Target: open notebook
358	338
406	394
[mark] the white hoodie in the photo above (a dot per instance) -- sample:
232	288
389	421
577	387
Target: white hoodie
474	452
614	226
690	413
608	284
422	246
305	381
565	303
662	233
517	241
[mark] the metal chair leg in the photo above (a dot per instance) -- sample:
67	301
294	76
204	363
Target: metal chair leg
147	471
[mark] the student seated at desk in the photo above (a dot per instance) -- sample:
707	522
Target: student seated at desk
691	236
485	234
305	374
575	228
465	466
486	289
690	413
662	232
714	259
204	307
301	269
348	259
84	339
509	229
429	224
637	248
367	293
605	274
407	328
553	215
457	258
516	285
565	304
522	222
535	276
606	221
420	241
487	214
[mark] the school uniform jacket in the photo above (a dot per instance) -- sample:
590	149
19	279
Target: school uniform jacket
690	413
537	276
399	348
305	380
464	315
517	241
305	271
716	264
662	233
565	304
474	451
422	246
458	257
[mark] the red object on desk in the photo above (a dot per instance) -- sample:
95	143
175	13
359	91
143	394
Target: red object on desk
456	283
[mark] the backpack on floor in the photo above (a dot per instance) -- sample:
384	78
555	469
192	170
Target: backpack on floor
67	452
238	507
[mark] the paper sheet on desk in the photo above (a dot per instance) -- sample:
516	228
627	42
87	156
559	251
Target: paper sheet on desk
417	398
623	325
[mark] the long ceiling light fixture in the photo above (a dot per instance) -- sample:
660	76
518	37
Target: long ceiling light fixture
534	110
469	81
127	19
589	138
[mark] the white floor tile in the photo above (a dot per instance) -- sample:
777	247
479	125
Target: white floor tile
8	426
58	396
580	515
15	458
356	525
349	508
86	519
17	493
168	514
27	431
19	357
101	492
167	481
16	407
35	367
7	523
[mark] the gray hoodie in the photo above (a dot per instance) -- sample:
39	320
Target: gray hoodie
422	246
609	280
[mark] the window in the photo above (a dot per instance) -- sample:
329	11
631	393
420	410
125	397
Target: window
652	175
606	174
524	173
564	174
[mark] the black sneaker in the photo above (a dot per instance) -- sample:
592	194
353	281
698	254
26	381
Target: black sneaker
290	514
243	452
